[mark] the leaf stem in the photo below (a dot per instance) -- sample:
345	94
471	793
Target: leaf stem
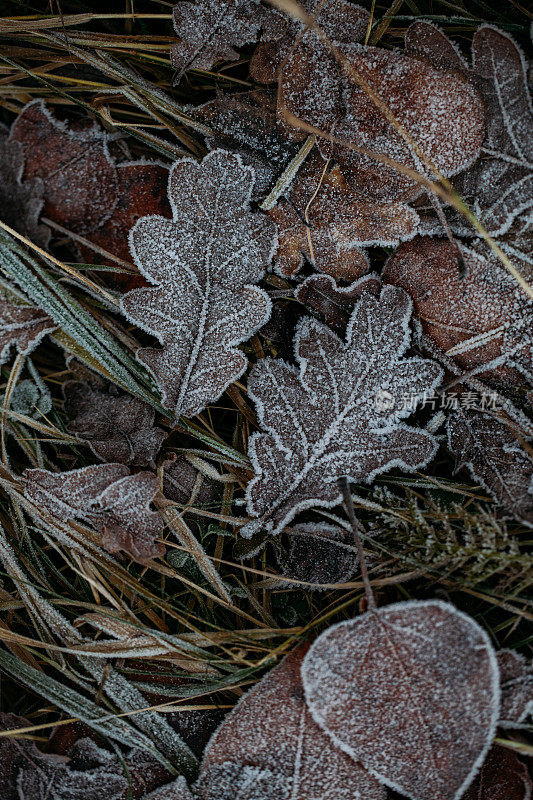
348	502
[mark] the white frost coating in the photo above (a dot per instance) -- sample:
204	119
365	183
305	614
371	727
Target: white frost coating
412	691
203	263
339	416
23	327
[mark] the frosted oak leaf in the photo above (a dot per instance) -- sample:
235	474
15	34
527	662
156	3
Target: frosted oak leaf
22	327
73	161
107	497
209	30
204	264
411	691
322	421
495	457
269	748
116	428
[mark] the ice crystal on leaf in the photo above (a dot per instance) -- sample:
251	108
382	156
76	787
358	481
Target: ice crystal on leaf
116	428
499	185
22	327
495	457
107	497
502	777
484	315
411	691
20	202
269	748
516	680
209	30
339	415
203	263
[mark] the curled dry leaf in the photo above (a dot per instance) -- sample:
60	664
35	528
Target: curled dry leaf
183	483
318	554
484	315
116	428
78	175
411	691
494	456
339	414
499	185
269	748
335	304
21	201
108	498
516	678
440	114
22	327
209	30
502	777
203	264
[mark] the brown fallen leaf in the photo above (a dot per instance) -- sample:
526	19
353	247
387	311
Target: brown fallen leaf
411	691
439	111
318	554
78	175
483	319
107	497
320	293
203	264
325	219
338	415
22	327
269	748
495	457
209	30
142	190
502	777
116	428
21	201
498	186
516	678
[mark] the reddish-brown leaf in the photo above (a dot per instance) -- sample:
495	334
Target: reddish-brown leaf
116	428
412	691
502	777
496	458
486	306
142	190
269	748
78	174
21	201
